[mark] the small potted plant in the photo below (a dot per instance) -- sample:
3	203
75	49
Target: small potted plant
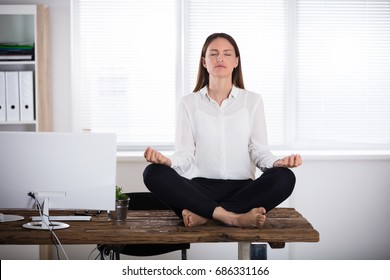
119	195
121	204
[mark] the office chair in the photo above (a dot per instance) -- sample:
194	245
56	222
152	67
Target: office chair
143	201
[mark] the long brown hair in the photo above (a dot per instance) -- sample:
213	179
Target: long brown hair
203	76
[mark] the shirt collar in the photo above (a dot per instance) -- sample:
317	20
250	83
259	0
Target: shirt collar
233	93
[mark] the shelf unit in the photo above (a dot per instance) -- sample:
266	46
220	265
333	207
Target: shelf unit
21	24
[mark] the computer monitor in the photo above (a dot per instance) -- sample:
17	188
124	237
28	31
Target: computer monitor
71	171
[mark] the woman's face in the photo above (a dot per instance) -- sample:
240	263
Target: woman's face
220	58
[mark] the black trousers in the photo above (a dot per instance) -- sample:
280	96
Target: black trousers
203	195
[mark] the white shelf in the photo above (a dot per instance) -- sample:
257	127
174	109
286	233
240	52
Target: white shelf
17	62
16	123
21	24
18	10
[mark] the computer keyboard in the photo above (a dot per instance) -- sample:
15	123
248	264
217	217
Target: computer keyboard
64	218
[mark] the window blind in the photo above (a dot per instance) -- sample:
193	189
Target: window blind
343	73
322	67
127	53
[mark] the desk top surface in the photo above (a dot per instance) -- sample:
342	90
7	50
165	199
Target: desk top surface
153	227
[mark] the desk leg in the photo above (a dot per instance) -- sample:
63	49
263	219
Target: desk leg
243	250
45	252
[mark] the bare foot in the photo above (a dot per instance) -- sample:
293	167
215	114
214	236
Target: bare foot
254	218
191	219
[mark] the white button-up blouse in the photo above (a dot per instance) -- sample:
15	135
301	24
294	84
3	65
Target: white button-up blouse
221	142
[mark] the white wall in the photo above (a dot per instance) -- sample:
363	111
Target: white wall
347	201
344	197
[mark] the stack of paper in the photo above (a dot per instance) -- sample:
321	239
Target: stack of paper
16	51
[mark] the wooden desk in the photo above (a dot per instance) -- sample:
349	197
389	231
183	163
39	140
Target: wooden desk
144	227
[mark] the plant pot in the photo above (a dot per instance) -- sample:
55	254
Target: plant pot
120	213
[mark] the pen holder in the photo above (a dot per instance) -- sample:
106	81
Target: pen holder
120	213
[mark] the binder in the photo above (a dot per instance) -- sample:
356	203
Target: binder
26	95
12	96
2	97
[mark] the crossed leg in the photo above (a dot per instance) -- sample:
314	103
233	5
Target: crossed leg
243	203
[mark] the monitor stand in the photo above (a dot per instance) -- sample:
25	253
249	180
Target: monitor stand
45	224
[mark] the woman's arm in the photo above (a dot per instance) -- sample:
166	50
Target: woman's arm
182	159
258	146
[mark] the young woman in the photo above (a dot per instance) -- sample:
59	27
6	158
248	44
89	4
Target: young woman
221	138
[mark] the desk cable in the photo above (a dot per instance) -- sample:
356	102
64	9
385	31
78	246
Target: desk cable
95	249
52	233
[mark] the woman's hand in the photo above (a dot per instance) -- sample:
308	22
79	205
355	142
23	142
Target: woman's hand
289	161
154	156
